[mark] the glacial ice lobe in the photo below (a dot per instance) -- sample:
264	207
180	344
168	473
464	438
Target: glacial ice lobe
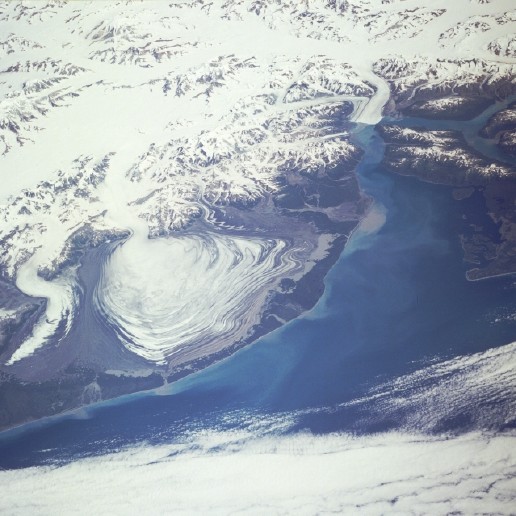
164	295
60	304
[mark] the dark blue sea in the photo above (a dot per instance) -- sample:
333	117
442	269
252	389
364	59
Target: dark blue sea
396	300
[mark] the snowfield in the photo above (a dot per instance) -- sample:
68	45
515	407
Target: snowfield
148	118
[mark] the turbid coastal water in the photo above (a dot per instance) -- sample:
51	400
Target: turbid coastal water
396	301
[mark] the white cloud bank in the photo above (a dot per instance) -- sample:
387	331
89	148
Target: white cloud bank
228	473
477	391
255	470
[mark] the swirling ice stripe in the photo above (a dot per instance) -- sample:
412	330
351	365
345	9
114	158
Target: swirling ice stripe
61	306
189	292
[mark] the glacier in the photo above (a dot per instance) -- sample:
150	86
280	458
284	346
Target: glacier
213	142
219	290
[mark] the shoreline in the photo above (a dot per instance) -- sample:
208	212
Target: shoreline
74	413
306	292
282	306
301	298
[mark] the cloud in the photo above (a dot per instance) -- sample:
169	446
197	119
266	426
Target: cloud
255	464
476	391
232	472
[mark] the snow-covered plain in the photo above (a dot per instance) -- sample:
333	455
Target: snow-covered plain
148	116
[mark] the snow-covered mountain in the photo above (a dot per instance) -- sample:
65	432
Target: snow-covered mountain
194	124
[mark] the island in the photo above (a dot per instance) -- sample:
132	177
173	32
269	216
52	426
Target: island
444	157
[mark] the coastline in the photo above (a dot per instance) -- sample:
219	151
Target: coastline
306	340
282	306
312	281
312	204
495	260
301	298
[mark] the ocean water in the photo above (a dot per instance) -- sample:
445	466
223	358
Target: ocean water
396	300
